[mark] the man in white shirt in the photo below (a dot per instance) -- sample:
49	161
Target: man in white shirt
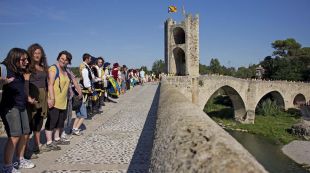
142	76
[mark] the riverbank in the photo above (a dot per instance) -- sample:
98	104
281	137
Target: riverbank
299	151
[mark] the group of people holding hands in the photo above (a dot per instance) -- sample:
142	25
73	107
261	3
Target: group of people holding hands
32	91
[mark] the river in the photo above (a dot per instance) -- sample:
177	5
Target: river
268	153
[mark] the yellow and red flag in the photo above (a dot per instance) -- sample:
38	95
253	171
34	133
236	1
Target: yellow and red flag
172	9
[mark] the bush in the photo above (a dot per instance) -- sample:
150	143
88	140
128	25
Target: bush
269	108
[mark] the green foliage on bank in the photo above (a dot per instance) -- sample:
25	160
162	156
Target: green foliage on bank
273	124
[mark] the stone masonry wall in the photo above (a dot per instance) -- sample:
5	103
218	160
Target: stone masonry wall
187	140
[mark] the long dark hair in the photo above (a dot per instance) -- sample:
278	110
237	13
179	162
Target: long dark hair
13	58
43	63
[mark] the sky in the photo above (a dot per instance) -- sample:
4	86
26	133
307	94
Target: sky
236	32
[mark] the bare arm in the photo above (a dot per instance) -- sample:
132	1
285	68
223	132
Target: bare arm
77	86
51	81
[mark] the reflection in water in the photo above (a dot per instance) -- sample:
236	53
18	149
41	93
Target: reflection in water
268	153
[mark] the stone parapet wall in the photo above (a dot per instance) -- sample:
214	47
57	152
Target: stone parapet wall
187	140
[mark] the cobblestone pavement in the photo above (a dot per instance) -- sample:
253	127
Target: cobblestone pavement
117	141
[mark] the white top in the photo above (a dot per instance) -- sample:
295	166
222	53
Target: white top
142	74
86	80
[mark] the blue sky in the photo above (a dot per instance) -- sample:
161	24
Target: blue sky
237	32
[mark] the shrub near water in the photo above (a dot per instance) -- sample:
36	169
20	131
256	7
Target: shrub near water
269	108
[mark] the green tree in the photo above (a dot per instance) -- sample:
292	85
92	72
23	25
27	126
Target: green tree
158	66
228	71
215	66
203	69
76	71
145	69
284	48
244	73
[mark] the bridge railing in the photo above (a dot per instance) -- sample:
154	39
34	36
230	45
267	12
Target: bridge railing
187	140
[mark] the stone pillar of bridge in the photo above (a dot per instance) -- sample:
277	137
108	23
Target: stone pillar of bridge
250	104
182	46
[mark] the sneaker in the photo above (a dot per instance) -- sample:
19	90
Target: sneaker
76	132
62	141
24	163
42	148
9	169
53	146
67	137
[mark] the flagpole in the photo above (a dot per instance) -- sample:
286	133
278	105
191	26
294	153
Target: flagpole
183	10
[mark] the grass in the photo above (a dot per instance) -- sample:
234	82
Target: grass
273	126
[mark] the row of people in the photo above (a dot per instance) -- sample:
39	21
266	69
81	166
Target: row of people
33	91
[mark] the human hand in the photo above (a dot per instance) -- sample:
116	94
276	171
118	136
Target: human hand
8	80
80	95
51	103
32	100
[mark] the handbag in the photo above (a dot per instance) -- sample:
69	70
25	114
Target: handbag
76	102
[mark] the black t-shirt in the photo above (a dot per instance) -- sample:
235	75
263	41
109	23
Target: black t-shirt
14	94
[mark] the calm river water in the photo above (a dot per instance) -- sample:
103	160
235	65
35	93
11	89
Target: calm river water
268	153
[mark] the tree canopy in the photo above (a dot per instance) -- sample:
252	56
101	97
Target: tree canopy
158	66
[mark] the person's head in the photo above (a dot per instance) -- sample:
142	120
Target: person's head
115	66
17	60
124	68
100	61
93	61
86	58
64	58
37	56
106	65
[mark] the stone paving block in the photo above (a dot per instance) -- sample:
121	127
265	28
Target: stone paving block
114	148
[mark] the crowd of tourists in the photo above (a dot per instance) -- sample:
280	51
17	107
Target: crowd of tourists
37	98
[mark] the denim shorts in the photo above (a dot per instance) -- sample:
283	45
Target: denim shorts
82	112
16	122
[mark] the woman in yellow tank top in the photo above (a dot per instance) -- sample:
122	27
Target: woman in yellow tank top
58	85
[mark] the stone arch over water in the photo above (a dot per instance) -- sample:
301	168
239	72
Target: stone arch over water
299	100
179	35
273	96
237	101
180	63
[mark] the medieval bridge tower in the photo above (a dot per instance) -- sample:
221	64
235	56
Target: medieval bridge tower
182	46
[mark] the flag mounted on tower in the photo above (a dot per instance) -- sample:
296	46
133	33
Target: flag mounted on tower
172	9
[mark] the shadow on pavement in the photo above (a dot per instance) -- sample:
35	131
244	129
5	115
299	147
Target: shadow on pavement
141	159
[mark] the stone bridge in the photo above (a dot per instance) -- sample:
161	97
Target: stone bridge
244	94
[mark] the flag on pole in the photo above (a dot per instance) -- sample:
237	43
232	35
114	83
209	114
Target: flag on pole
172	9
